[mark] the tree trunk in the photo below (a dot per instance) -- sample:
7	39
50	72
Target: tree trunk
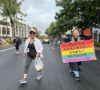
12	26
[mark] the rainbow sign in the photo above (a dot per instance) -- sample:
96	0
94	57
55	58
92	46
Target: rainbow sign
78	51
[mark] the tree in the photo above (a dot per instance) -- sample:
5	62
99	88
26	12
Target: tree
78	13
51	30
10	9
37	32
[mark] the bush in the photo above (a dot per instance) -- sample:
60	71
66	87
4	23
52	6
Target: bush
10	42
97	44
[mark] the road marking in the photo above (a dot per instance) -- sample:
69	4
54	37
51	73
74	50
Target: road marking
53	48
7	49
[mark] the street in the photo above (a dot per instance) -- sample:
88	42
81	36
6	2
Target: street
56	76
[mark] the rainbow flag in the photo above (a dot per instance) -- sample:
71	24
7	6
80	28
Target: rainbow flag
78	51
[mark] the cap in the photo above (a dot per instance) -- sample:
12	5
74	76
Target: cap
33	30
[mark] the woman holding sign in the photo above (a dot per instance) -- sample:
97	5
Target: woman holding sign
75	66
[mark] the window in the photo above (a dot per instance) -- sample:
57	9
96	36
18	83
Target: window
16	27
3	30
8	31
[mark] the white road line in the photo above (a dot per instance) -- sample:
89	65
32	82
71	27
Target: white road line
53	48
7	49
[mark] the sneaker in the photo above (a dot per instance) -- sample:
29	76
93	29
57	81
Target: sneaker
77	79
38	77
23	81
17	52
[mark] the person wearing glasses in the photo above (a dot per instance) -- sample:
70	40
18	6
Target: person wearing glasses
33	49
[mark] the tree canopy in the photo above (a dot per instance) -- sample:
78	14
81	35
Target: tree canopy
10	9
78	13
37	32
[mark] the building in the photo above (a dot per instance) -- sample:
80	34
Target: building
5	30
21	30
68	34
88	33
92	33
96	34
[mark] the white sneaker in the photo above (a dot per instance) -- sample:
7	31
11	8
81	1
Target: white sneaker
17	52
23	81
38	77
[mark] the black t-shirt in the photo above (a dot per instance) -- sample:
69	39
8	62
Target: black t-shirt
32	51
75	39
70	39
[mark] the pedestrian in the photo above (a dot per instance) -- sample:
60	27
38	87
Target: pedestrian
55	42
17	42
51	40
75	66
33	49
0	42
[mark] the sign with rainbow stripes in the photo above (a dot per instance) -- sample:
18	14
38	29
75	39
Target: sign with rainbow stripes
78	51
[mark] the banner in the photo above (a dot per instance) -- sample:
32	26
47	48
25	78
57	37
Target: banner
78	51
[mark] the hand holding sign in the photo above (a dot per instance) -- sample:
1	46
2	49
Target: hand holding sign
78	51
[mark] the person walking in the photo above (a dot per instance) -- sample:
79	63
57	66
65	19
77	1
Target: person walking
17	43
32	49
75	66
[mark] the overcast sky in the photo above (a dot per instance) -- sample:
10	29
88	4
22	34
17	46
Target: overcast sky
40	13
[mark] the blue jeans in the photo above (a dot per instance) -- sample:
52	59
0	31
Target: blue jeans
75	72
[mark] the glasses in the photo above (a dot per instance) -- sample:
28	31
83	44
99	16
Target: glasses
32	32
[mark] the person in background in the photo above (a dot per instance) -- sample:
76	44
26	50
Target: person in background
17	41
0	42
51	40
75	66
55	41
33	49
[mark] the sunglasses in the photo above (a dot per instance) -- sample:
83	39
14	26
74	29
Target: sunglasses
31	32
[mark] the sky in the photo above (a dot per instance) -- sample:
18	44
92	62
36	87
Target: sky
40	13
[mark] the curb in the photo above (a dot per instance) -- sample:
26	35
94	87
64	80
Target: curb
5	47
97	48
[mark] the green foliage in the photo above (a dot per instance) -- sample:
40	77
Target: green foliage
10	9
51	30
97	44
9	42
78	13
37	32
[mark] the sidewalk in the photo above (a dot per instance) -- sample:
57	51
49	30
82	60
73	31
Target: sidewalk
1	48
97	48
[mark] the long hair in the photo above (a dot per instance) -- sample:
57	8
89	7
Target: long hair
73	35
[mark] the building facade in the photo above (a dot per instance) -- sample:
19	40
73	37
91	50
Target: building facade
5	30
96	34
21	30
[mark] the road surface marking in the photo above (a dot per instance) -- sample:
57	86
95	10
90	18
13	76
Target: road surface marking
7	49
53	48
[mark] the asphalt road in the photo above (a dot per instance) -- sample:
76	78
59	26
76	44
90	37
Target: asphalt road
56	75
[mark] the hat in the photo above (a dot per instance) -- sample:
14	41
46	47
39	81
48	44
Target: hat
33	30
